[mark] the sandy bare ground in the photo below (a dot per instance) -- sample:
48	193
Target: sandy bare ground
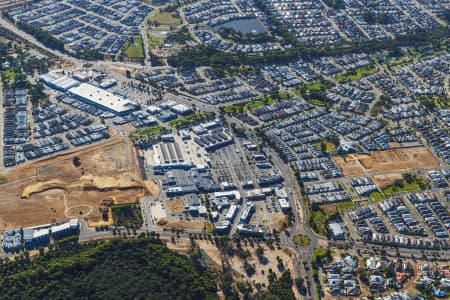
98	221
54	189
287	255
271	220
383	181
277	220
181	224
152	187
175	205
158	211
402	159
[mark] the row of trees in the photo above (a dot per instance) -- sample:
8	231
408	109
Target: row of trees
42	36
208	56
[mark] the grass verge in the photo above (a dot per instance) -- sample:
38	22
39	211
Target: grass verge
301	240
189	120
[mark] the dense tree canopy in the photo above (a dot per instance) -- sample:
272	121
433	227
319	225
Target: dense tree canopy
280	289
42	36
209	56
336	4
119	269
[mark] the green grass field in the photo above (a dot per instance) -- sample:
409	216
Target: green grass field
377	196
154	40
315	86
356	74
342	206
317	102
284	95
305	89
10	74
244	107
398	62
182	122
301	240
3	179
164	18
135	48
233	108
147	132
407	187
403	185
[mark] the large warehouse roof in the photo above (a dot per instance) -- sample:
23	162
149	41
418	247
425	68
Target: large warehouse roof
59	81
102	98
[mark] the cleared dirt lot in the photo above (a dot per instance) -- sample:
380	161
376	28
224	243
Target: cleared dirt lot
401	159
175	205
55	189
277	221
181	224
383	181
288	256
273	220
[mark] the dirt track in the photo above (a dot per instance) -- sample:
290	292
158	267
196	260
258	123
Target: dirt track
54	189
402	159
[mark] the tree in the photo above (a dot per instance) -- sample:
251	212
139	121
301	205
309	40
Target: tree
279	289
41	35
300	284
37	94
249	269
260	252
76	161
226	282
323	147
409	178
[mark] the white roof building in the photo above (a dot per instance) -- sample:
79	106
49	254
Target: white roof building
337	230
58	81
65	227
102	98
284	204
181	109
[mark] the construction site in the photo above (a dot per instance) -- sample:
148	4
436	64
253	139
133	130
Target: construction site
400	159
85	183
